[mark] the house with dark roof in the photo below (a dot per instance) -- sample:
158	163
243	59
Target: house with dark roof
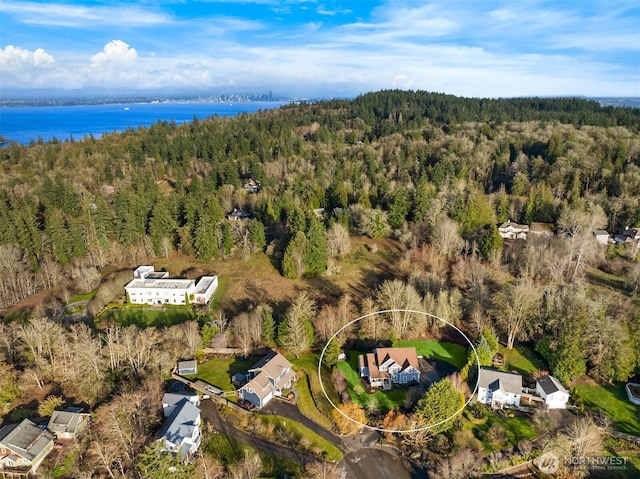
180	433
554	394
23	446
68	423
386	366
499	389
268	378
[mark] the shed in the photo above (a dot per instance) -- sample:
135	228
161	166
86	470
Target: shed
187	367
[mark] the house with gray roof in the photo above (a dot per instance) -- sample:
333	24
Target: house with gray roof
171	400
499	389
68	423
187	367
553	392
23	446
267	379
180	433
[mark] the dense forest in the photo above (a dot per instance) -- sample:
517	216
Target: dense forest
435	174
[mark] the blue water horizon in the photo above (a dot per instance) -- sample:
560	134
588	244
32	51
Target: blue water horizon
26	124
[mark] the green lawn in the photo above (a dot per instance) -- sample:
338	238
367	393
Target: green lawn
309	364
307	405
223	282
613	401
229	451
144	317
218	371
386	400
298	431
522	359
455	354
516	428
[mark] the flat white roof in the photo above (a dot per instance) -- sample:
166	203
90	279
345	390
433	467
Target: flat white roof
160	283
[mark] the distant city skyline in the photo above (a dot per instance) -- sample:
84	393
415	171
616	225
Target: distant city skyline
304	48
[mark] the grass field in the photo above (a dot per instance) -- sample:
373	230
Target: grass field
307	405
218	371
298	431
385	400
516	428
229	451
613	401
309	364
144	317
455	354
522	359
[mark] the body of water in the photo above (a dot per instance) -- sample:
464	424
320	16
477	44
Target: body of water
23	124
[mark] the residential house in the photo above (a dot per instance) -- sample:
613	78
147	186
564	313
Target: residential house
512	230
554	394
155	287
498	389
602	236
23	446
268	378
252	186
385	366
68	423
237	215
180	432
187	367
632	235
171	400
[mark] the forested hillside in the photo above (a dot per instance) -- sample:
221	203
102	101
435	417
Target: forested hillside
432	174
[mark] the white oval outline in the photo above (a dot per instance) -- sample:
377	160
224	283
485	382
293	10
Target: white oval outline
401	431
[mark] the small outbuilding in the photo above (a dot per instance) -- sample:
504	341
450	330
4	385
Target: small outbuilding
187	367
554	394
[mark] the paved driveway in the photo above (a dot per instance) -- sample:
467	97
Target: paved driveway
375	463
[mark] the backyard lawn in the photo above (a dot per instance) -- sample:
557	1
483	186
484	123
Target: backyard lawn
522	359
516	428
455	354
309	364
146	317
613	401
218	371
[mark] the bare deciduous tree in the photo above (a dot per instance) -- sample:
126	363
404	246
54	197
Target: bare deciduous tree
338	241
446	239
515	308
400	298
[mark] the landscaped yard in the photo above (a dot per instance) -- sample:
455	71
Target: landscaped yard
384	400
307	405
613	401
146	317
522	359
229	451
309	364
455	354
218	371
516	428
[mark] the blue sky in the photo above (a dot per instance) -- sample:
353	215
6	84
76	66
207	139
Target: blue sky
308	48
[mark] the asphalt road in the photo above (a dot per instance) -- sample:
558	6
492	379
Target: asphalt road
373	463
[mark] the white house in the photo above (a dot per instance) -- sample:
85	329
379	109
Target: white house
23	446
554	394
171	400
155	287
385	366
268	378
498	389
512	230
180	433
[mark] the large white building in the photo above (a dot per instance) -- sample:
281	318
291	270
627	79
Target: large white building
155	287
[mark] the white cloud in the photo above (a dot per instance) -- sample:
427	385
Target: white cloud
116	52
81	16
17	58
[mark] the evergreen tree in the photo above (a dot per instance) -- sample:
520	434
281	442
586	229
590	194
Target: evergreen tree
440	406
295	333
293	262
257	235
204	240
268	327
316	255
491	242
226	243
156	463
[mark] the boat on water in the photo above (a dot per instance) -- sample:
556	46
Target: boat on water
126	108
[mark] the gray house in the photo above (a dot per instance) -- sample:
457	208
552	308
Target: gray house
171	400
23	446
498	389
180	433
269	377
68	423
